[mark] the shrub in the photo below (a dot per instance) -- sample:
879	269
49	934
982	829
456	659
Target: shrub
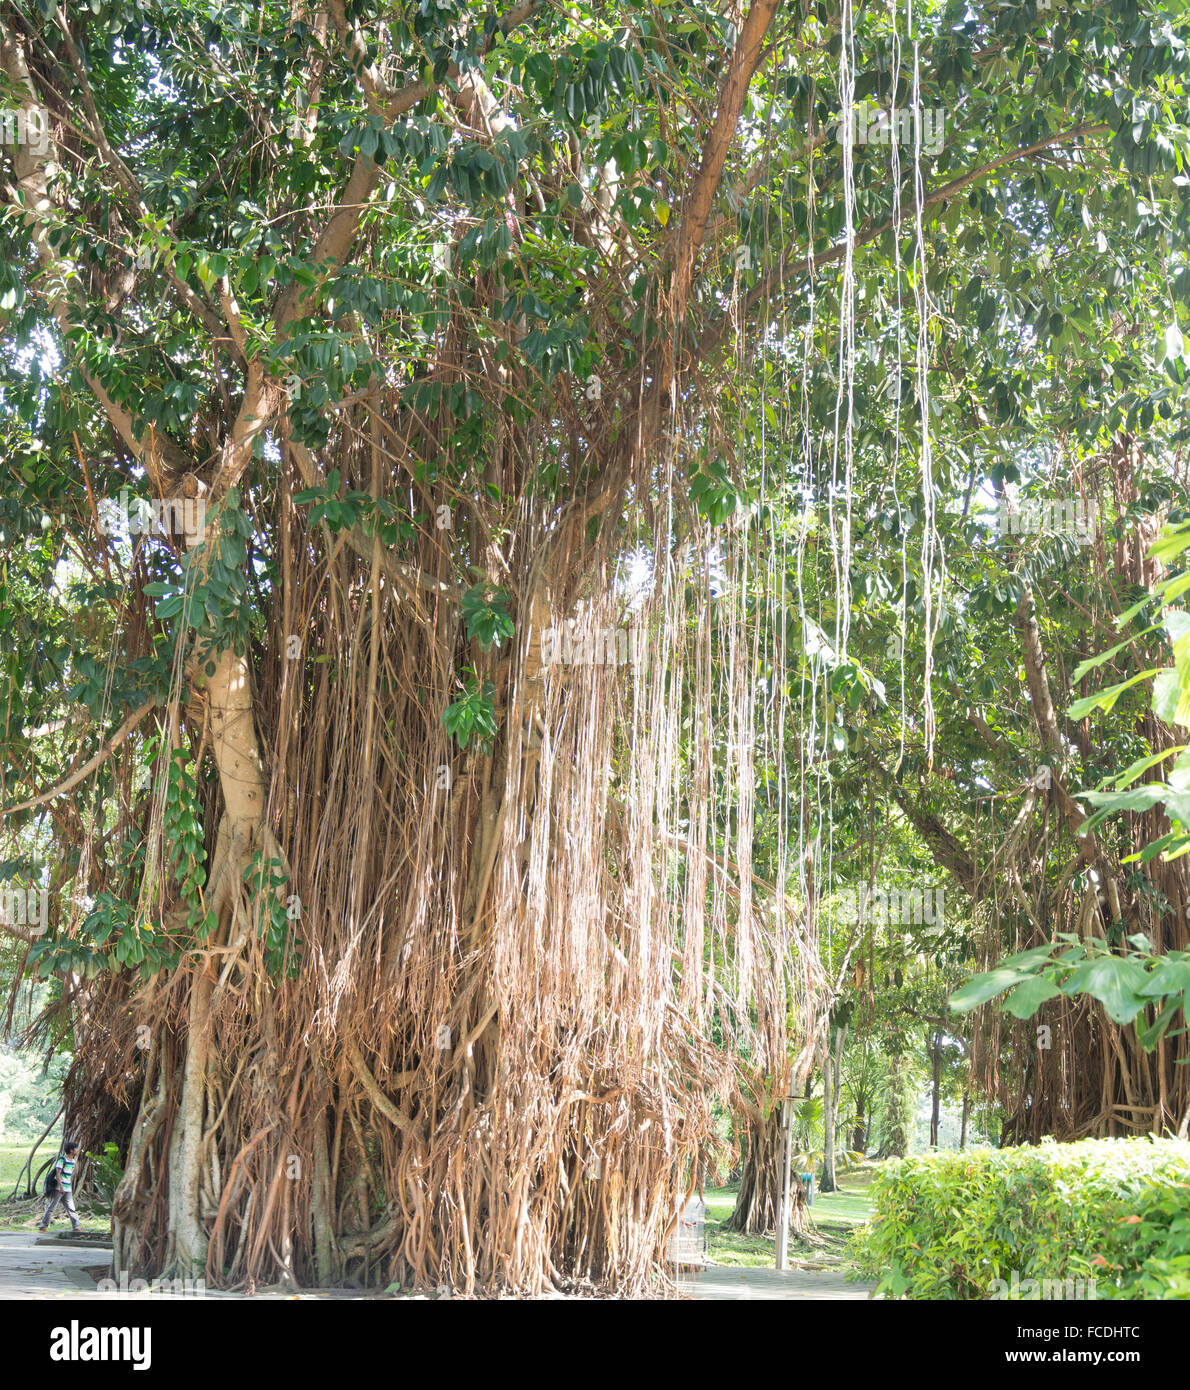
1117	1211
108	1173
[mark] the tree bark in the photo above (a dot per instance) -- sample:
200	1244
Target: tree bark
898	1110
936	1088
859	1135
755	1211
831	1073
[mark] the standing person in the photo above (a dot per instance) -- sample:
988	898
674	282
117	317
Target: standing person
62	1190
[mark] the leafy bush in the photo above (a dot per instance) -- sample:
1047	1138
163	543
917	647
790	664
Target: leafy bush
108	1173
1124	984
1113	1210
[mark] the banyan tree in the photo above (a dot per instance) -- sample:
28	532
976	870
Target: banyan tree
440	442
363	356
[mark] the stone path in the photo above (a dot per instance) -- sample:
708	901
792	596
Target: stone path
33	1267
719	1282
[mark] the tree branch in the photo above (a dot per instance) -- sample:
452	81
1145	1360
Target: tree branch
31	197
336	237
798	267
692	228
106	749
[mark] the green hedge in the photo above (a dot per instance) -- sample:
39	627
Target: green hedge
945	1226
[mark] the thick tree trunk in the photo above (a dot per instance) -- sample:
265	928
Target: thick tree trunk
759	1196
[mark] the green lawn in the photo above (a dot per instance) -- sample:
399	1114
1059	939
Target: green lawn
12	1160
833	1216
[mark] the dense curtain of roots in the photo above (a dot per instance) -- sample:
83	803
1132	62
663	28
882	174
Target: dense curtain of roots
525	971
1070	1071
523	976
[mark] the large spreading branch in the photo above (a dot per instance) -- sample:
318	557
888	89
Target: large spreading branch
341	227
696	213
30	196
106	749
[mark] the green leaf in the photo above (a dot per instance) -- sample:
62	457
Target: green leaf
1171	543
1168	978
1028	997
1151	1034
1166	693
1106	699
1027	960
1115	981
1092	662
980	988
1134	770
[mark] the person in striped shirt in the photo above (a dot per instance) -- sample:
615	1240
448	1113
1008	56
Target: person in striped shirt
64	1174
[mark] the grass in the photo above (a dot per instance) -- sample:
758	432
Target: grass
730	1247
21	1214
12	1160
833	1216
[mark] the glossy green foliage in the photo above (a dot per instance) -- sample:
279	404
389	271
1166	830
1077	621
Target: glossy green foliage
274	914
472	713
1127	984
989	1223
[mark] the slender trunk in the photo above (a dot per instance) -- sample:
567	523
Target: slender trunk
827	1180
859	1134
936	1092
898	1110
189	1254
831	1073
840	1043
965	1126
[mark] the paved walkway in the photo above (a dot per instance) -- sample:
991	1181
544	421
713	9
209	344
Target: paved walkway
32	1270
719	1282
